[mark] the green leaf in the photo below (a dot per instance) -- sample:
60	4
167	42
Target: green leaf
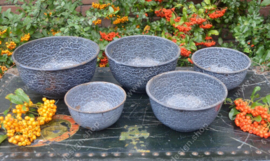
212	32
228	100
253	105
267	99
2	138
22	95
32	110
256	89
6	112
172	18
31	115
39	103
233	113
3	58
24	108
178	5
111	9
265	3
257	118
14	99
220	41
207	1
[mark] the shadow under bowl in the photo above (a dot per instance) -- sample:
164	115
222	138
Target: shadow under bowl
95	105
228	65
185	100
51	66
134	60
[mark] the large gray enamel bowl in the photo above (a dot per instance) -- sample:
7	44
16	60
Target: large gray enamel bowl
228	65
95	105
53	65
186	100
134	60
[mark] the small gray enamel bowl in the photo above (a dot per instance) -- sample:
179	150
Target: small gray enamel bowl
228	65
53	65
186	101
134	60
95	105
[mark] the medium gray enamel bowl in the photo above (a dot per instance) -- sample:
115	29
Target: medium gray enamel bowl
53	65
95	105
134	60
186	101
228	65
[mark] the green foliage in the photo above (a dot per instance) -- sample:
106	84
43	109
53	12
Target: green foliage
2	138
250	29
264	101
42	18
18	98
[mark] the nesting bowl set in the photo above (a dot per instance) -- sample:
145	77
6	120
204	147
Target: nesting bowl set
63	66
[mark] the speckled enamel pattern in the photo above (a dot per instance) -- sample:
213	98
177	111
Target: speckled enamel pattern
101	117
53	65
134	60
228	65
185	100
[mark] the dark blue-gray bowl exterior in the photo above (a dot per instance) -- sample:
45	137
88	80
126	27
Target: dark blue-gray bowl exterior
134	60
189	85
100	119
232	65
41	68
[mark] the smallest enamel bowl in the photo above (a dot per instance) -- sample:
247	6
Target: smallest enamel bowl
228	65
95	105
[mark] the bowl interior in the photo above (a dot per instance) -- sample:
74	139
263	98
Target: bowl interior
142	50
186	90
221	60
56	52
95	97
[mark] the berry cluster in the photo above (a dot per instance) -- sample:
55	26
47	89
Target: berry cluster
109	36
103	61
2	32
163	12
97	22
217	13
9	53
120	20
26	37
206	26
246	119
22	129
11	45
208	43
185	52
100	6
54	32
46	111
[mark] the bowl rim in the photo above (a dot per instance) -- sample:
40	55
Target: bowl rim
92	83
50	37
143	66
238	71
185	109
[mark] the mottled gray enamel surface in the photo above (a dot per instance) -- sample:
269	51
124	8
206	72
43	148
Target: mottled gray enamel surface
51	66
134	60
96	105
186	101
228	65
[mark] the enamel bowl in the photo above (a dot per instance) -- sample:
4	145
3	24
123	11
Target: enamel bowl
95	105
134	60
228	65
186	100
51	66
